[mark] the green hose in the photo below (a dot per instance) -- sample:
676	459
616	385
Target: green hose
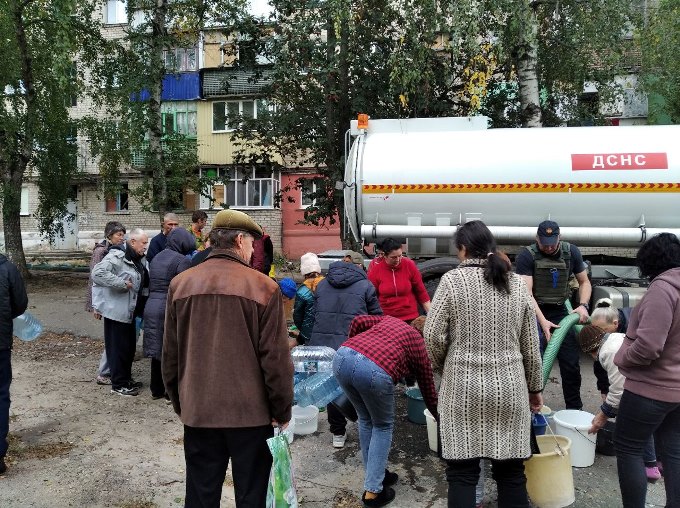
555	342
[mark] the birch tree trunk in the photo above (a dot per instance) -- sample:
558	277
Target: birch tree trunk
526	58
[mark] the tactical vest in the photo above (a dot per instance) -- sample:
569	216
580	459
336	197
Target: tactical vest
551	275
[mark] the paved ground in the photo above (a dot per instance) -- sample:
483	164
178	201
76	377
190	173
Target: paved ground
75	444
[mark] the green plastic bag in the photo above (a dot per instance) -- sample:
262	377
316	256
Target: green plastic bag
281	490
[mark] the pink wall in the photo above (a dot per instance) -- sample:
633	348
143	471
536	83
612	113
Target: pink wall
301	238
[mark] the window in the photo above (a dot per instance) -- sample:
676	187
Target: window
73	83
115	12
23	209
226	114
242	188
179	117
308	188
118	203
181	59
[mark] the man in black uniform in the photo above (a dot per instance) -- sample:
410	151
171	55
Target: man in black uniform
546	267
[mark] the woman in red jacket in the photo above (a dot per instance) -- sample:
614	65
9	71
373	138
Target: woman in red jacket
398	283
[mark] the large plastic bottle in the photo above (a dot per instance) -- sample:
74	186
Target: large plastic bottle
27	327
317	390
312	359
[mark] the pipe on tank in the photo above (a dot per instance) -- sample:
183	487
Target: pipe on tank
521	235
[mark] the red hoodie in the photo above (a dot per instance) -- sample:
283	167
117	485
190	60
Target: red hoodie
399	288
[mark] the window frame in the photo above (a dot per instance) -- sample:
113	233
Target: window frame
24	210
117	21
180	59
188	108
240	102
122	199
314	180
231	184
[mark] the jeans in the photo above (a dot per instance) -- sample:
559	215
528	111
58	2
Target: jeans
568	358
5	381
638	419
463	476
371	390
104	369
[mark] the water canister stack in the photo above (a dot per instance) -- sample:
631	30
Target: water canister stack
318	390
27	327
315	384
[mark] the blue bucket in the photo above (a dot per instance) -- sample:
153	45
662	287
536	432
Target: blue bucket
415	406
539	423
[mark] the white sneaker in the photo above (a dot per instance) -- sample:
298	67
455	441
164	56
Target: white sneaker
339	441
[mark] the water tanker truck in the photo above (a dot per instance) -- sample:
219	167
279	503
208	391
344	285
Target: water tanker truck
418	180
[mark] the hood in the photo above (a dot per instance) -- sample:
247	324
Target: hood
341	274
181	240
671	276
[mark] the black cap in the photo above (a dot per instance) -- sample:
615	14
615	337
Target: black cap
548	232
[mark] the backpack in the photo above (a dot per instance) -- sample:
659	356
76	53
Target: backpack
551	275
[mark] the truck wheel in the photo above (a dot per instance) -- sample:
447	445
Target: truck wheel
431	286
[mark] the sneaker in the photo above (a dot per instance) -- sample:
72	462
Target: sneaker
103	380
124	390
384	497
3	466
653	474
390	478
339	440
135	384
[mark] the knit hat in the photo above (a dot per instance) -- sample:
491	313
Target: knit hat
590	338
288	287
113	227
355	257
309	263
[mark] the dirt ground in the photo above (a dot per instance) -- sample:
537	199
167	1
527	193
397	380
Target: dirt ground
72	443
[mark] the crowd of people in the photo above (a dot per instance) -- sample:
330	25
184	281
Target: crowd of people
480	336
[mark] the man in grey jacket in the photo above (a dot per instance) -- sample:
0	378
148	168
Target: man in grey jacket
119	292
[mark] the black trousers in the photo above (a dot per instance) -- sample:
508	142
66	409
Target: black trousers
120	341
568	358
336	420
207	452
463	476
156	385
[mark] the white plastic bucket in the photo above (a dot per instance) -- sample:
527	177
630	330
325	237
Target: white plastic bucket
306	419
431	430
574	424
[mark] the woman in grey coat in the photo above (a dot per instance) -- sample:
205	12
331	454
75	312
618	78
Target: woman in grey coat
164	266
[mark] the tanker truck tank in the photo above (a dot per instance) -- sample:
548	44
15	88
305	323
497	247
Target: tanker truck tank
419	179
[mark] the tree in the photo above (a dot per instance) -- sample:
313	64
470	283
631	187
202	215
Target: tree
39	82
546	50
133	137
333	59
658	41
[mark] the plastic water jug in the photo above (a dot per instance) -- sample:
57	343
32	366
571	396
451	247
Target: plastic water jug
27	327
312	359
317	390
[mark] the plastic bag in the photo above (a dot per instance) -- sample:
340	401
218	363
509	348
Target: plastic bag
281	490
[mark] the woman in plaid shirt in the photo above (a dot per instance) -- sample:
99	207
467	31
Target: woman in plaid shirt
380	351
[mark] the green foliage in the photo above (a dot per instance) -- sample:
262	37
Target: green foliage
659	41
39	82
130	71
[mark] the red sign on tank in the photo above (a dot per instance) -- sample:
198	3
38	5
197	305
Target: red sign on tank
618	161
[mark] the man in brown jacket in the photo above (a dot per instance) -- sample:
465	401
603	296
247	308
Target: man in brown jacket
226	366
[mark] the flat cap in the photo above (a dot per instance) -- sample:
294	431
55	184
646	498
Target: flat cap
356	258
234	219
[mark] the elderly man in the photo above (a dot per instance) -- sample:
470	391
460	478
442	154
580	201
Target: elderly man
158	242
119	292
546	267
230	378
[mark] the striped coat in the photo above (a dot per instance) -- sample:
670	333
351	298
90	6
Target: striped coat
484	344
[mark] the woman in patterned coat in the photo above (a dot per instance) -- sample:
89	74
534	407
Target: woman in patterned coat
482	338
